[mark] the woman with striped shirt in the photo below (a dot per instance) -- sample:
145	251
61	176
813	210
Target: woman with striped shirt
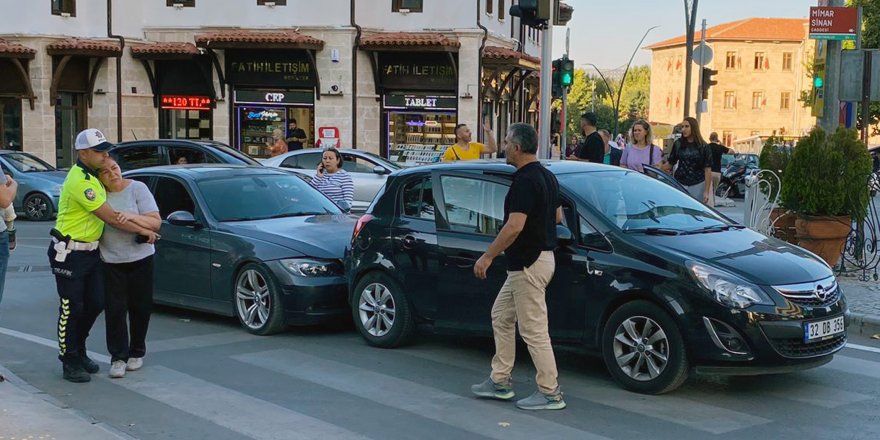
332	180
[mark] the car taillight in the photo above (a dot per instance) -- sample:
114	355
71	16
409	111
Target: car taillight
359	226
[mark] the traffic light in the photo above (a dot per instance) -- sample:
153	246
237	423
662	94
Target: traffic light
708	82
818	82
556	76
533	13
566	71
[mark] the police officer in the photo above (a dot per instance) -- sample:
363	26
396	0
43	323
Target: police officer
74	256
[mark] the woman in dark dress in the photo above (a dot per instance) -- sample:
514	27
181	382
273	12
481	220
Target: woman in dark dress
694	159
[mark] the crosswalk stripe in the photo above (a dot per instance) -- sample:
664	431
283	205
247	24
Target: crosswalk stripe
428	402
818	395
230	409
200	341
678	410
855	366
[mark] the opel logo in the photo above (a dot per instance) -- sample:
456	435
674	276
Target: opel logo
821	293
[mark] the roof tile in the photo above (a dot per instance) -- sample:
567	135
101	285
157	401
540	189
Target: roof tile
151	50
254	37
408	39
79	46
762	29
503	53
15	50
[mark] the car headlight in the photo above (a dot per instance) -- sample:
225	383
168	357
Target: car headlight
727	289
306	267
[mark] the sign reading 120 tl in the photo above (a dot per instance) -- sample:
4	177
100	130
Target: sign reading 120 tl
178	102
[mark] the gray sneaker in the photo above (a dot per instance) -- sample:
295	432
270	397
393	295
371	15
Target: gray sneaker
134	364
539	400
117	369
493	390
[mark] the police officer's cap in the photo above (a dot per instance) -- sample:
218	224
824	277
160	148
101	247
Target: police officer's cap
93	139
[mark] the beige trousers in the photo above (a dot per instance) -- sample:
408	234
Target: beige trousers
521	300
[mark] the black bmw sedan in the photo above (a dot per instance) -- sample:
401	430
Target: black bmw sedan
656	283
253	242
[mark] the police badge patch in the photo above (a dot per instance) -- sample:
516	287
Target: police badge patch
90	194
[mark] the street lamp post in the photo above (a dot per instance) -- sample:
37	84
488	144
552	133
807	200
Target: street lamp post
622	80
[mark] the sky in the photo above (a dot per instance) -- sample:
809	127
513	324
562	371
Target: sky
605	32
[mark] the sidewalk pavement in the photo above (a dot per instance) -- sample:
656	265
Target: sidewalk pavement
28	413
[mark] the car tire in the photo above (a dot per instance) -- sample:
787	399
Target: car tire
636	339
257	300
38	207
381	311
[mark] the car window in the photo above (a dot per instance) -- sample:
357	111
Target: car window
633	201
229	154
26	163
260	197
171	196
143	179
473	205
185	155
418	199
305	161
354	164
133	158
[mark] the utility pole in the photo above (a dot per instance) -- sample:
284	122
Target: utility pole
831	110
690	18
700	79
546	88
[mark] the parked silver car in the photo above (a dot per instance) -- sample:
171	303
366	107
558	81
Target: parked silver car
368	171
39	184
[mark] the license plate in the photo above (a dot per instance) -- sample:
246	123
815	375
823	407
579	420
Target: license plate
814	331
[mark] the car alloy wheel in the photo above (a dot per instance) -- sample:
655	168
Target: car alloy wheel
257	301
381	311
37	207
641	348
376	310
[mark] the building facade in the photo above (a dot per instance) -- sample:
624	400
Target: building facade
388	76
762	66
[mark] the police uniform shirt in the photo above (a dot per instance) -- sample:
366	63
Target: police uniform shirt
81	194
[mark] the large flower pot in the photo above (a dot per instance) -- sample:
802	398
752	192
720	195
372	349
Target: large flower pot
783	221
823	236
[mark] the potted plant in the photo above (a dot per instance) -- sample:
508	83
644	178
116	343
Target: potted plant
775	156
826	183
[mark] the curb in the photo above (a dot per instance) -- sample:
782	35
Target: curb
865	325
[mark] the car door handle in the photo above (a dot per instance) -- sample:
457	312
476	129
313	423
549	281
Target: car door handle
463	260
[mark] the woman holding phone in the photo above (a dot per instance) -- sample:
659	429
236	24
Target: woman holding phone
333	181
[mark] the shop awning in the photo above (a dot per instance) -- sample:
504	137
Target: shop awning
95	53
19	81
504	58
254	39
182	62
409	41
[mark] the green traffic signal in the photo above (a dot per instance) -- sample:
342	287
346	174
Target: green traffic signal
818	82
567	74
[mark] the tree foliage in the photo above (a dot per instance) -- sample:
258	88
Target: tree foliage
633	99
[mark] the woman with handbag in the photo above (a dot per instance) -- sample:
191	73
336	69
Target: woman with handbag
694	159
642	150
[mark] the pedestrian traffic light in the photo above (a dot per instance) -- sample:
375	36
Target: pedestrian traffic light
708	82
566	72
818	82
533	13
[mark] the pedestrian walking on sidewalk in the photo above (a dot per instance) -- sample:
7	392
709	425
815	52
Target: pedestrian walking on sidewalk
694	159
642	150
73	253
128	269
528	237
8	189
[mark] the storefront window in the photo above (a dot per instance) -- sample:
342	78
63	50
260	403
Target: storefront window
419	138
10	124
260	112
185	124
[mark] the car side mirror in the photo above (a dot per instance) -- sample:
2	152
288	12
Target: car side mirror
182	218
564	236
380	170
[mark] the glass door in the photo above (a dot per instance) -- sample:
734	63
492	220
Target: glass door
10	124
70	118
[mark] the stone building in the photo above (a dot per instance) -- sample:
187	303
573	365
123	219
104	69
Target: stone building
389	76
762	70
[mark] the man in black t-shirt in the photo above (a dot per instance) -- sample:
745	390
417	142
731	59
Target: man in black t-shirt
528	237
295	136
718	150
592	149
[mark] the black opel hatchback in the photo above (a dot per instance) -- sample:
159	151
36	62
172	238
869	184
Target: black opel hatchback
646	276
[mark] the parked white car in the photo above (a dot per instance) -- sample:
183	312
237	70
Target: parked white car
368	171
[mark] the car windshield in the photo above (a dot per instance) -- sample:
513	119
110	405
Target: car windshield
26	163
259	197
226	149
635	202
379	160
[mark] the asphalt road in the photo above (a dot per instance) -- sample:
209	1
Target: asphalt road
205	378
